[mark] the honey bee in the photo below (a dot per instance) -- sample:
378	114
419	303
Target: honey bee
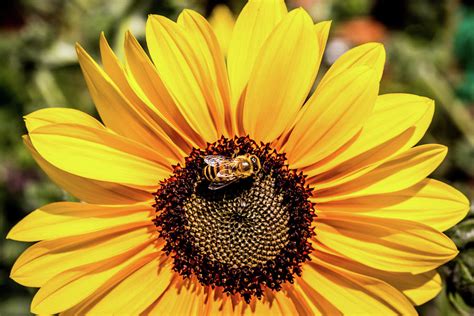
222	171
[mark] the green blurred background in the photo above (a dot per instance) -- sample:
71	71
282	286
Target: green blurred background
430	47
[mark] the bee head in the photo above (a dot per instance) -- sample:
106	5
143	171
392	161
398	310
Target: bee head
255	163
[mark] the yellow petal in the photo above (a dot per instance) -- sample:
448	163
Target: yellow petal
114	108
360	165
222	21
336	114
286	305
55	256
417	111
181	71
370	54
49	116
65	219
216	87
52	116
113	67
147	84
393	115
423	288
282	77
72	286
385	244
99	155
272	303
179	298
254	24
214	301
322	32
88	190
148	282
166	138
303	303
353	293
397	173
188	297
418	288
430	202
319	304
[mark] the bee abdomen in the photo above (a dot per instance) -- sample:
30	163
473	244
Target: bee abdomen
210	173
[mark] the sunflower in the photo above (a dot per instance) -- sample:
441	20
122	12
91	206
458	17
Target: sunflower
336	215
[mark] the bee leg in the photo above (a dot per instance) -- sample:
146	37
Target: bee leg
236	153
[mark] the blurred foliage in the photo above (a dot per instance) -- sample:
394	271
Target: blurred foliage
464	50
430	46
459	274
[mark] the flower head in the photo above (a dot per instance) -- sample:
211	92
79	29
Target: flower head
333	215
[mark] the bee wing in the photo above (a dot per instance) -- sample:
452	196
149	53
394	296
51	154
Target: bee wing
215	160
220	185
227	172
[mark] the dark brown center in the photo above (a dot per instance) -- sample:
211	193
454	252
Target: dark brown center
245	236
245	225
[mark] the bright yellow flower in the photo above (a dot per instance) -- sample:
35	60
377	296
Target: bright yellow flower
150	236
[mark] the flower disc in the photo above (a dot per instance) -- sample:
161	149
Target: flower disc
248	235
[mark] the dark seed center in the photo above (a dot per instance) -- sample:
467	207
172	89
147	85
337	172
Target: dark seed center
244	237
242	225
